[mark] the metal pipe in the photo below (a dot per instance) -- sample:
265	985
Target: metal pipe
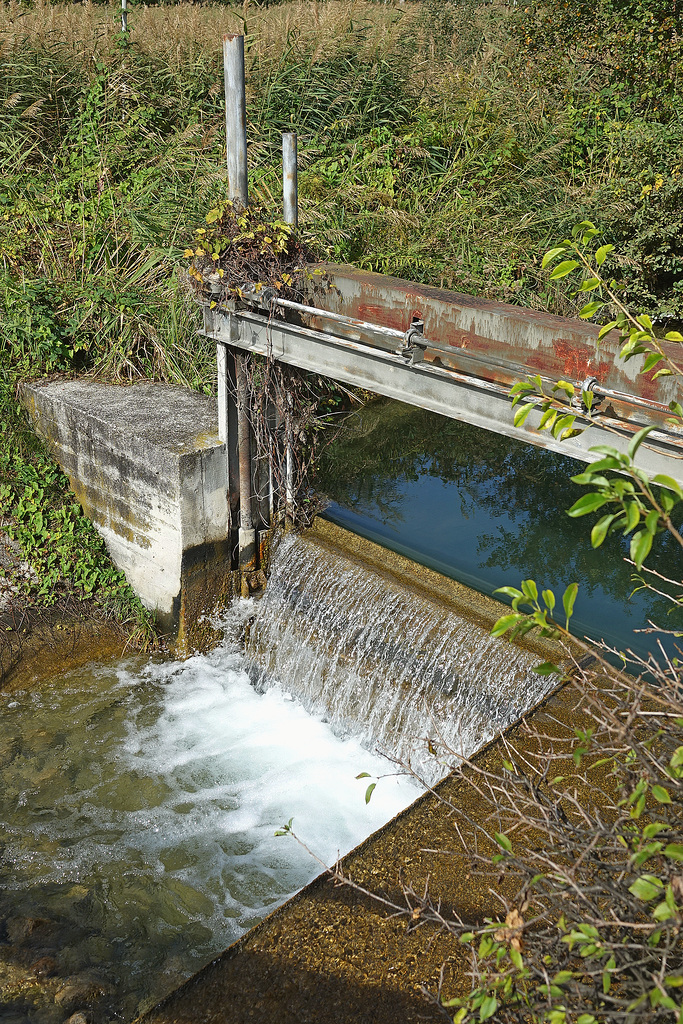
290	188
235	117
289	479
124	15
247	533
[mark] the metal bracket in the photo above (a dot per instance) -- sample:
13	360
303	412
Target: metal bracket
591	384
413	347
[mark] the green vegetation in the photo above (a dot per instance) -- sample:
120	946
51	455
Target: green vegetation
585	822
440	142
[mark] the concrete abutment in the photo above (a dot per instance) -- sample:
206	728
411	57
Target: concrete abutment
148	466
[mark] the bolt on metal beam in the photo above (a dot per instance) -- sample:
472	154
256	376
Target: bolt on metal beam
235	117
290	188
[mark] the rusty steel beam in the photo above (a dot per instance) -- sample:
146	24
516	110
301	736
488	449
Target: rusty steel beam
458	356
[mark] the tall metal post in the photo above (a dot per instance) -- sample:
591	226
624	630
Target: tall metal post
236	117
236	149
290	189
247	533
290	195
124	15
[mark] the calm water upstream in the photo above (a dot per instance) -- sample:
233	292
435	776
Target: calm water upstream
487	511
138	803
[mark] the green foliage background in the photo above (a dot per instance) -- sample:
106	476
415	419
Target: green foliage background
441	142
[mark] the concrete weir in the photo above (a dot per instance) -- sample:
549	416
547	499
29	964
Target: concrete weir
146	463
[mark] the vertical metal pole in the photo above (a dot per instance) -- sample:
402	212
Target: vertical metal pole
227	425
289	480
124	15
247	533
290	197
236	117
290	190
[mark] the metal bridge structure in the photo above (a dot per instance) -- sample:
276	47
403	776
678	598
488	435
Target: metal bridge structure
446	352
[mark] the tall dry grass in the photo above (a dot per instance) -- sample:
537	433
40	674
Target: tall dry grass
180	29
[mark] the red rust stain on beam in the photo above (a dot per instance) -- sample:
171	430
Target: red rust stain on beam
558	347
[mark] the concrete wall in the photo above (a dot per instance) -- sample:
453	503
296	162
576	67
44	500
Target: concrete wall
146	463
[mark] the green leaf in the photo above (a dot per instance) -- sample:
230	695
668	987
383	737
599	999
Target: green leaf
563	269
668	481
646	887
522	413
552	254
549	599
641	543
599	531
363	775
645	322
638	439
548	418
369	791
568	599
562	424
516	958
674	851
652	521
505	622
509	591
546	669
488	1008
606	329
650	361
587	503
590	309
663	912
602	254
674	336
503	841
530	589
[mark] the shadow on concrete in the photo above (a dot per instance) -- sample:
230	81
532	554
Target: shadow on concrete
262	987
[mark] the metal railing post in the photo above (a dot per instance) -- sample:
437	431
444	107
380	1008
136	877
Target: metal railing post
290	190
236	117
124	15
247	533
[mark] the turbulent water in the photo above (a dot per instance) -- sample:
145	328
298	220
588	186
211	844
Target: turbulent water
139	800
138	805
382	663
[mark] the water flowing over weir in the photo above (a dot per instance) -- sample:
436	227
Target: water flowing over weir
139	799
384	662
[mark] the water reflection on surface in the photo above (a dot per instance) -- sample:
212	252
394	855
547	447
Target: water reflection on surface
488	511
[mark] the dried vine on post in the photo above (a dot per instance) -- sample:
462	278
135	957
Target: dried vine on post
239	255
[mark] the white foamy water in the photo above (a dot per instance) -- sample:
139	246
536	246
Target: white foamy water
384	662
139	803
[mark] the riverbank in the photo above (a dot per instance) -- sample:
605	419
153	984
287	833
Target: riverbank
38	640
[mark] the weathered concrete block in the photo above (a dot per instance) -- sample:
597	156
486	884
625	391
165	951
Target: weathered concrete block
146	463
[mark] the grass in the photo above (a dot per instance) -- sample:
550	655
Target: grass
434	145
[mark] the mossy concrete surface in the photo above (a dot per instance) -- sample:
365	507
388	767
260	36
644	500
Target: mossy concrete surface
147	465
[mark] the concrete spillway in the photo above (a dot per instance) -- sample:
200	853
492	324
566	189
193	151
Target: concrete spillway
384	660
